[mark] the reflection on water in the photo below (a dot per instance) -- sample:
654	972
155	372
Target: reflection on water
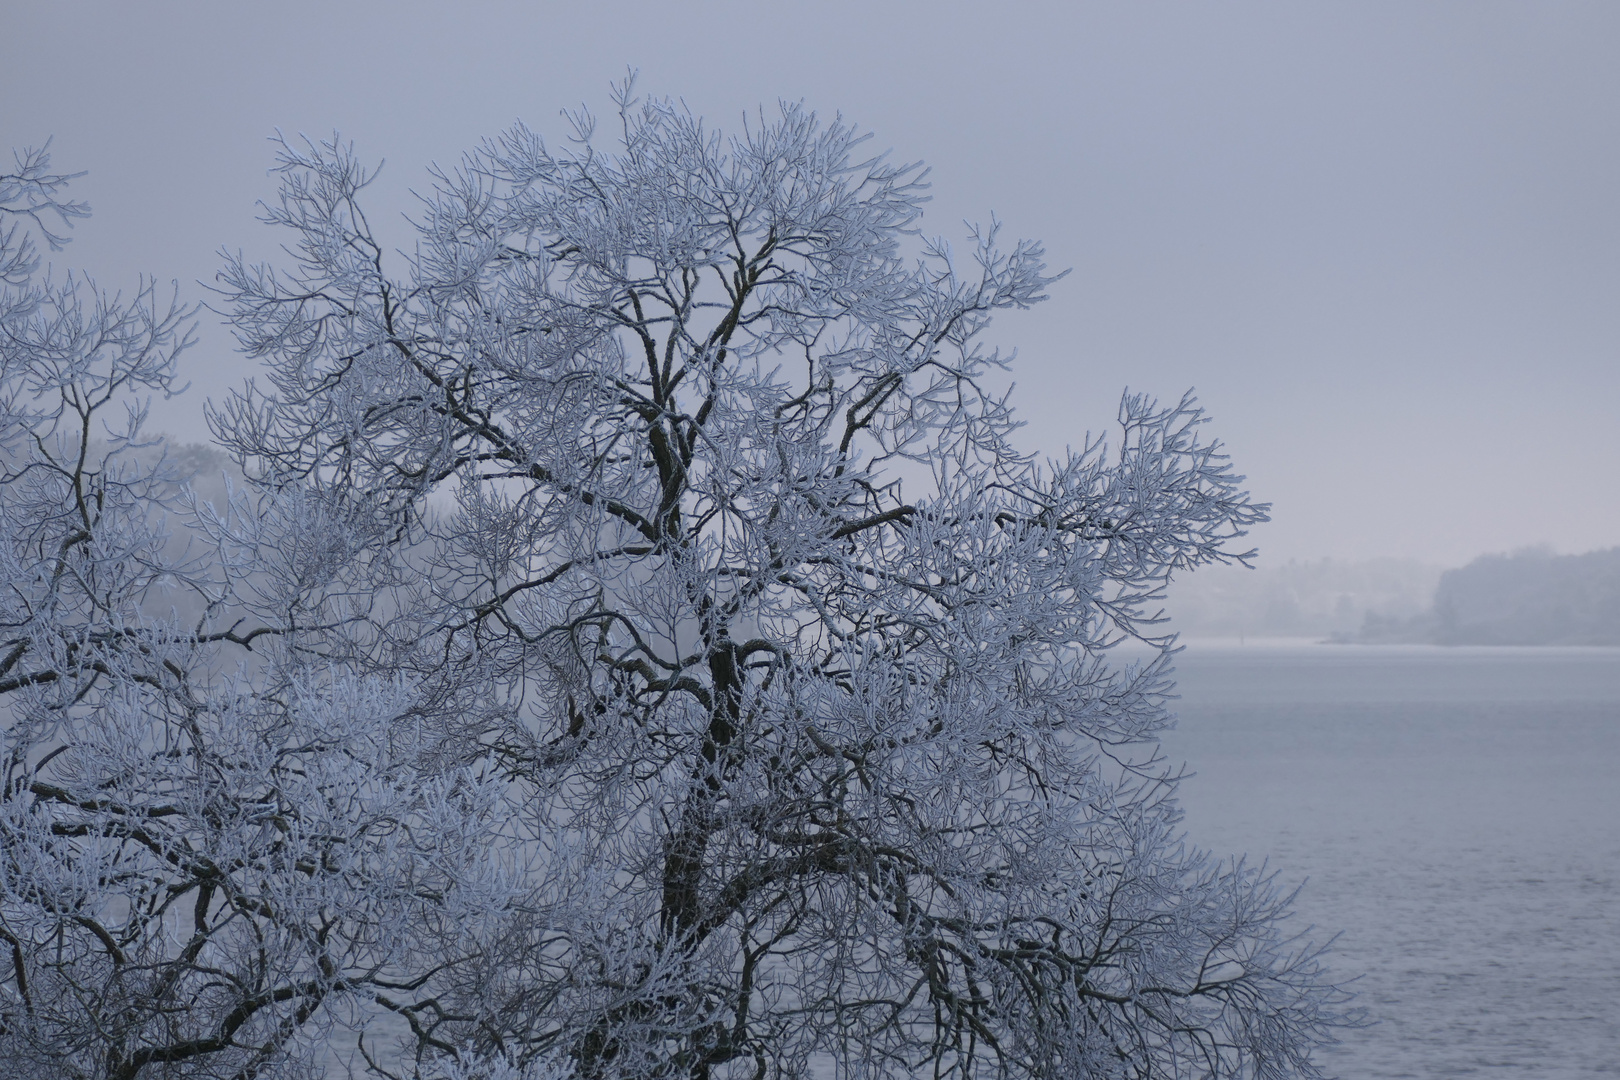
1457	813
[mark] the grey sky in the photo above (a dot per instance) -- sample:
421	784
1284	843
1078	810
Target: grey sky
1381	239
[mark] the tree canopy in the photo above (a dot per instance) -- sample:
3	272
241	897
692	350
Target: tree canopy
635	648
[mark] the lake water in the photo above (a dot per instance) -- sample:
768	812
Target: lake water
1457	815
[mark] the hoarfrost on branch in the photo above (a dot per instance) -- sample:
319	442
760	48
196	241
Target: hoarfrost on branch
639	578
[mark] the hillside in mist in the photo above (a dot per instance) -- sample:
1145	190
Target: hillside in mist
1530	597
1317	598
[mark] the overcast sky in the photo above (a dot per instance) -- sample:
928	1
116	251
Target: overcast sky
1382	240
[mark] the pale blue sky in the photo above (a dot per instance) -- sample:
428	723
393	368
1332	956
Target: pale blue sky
1381	238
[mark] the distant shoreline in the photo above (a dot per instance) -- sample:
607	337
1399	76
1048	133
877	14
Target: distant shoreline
1531	598
1206	642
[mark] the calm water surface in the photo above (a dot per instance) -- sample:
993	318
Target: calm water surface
1457	815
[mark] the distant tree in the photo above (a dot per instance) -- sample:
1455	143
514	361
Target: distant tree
1530	597
203	851
703	522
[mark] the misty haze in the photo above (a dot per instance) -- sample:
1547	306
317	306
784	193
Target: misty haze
1529	597
859	541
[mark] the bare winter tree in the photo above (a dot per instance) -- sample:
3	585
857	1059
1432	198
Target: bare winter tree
703	521
638	652
202	860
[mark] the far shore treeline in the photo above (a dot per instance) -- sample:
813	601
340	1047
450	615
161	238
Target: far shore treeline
1529	597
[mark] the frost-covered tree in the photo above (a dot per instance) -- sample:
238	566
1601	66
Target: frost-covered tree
705	522
206	856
